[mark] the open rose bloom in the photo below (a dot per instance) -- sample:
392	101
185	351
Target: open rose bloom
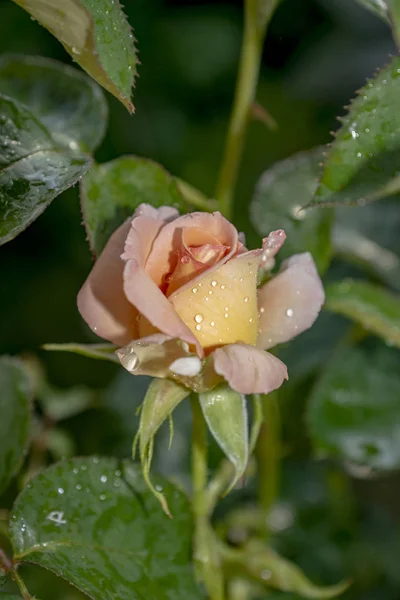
179	296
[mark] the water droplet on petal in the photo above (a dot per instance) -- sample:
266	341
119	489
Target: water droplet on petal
223	287
246	299
198	318
214	283
198	327
194	290
289	312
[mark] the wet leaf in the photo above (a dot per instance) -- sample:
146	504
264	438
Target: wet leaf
281	193
97	36
99	351
354	409
370	305
379	7
34	169
111	192
15	421
94	523
65	100
226	414
364	156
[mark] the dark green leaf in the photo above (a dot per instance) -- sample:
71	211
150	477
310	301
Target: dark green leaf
33	168
226	414
281	193
364	157
368	236
112	191
98	37
99	351
94	522
15	421
373	307
379	7
355	408
68	103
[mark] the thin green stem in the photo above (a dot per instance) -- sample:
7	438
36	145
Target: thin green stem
205	552
269	453
21	584
256	18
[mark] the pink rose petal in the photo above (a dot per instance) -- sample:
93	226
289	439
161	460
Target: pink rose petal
209	228
149	300
101	300
290	302
249	370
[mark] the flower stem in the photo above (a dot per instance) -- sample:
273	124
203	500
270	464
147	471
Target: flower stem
256	18
20	583
269	453
205	551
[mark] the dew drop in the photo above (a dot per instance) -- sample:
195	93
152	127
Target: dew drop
210	292
78	487
75	471
198	327
194	290
214	283
246	299
226	315
212	323
102	497
223	286
289	312
60	490
159	488
251	320
199	318
266	574
103	479
262	310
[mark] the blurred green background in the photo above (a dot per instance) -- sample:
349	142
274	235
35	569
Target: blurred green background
317	53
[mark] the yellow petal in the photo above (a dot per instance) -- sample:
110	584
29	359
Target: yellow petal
220	307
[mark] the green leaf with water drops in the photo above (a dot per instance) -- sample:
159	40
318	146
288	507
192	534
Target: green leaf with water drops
97	35
226	414
99	351
95	523
379	7
376	309
15	421
111	192
34	169
281	193
354	409
65	100
364	156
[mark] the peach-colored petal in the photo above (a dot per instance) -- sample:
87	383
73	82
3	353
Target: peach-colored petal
163	257
155	355
194	262
220	306
146	223
248	369
151	303
290	302
101	300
